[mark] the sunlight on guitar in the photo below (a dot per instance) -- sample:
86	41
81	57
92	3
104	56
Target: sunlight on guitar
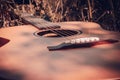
59	51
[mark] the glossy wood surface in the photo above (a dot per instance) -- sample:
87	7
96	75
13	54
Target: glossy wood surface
26	56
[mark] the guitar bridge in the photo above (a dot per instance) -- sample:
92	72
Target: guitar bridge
81	43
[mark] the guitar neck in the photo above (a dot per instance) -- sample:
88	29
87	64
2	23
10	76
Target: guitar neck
38	22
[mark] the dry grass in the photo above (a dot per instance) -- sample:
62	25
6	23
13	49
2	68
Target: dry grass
71	10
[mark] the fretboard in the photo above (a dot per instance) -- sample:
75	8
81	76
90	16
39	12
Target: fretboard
38	22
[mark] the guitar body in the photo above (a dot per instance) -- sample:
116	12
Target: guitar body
26	56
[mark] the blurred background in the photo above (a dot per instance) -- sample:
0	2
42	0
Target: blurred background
104	12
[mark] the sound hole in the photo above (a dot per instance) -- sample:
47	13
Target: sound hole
58	33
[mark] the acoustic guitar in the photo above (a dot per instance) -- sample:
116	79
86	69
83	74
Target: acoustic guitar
71	50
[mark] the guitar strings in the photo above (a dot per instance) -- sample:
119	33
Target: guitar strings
63	30
58	31
67	33
66	38
48	27
44	23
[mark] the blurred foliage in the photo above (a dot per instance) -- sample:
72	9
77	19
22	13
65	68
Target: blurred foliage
104	12
7	14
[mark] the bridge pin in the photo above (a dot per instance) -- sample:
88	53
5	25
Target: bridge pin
72	41
87	39
97	39
67	41
82	40
77	40
93	39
